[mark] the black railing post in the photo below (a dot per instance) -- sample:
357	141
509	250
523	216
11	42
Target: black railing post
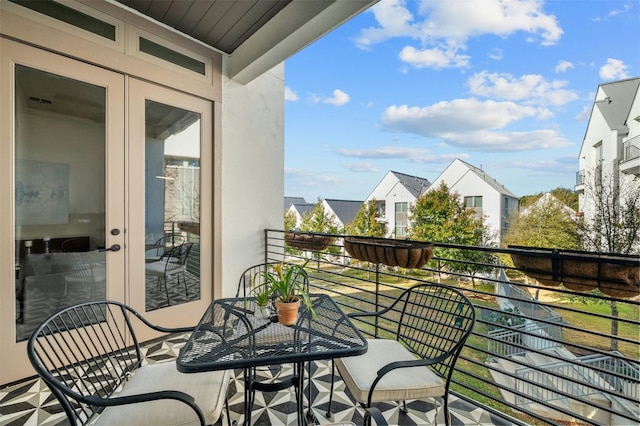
377	296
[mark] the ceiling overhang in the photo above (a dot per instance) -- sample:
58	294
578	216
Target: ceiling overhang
257	35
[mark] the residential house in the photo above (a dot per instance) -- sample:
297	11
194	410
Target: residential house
489	198
547	199
343	211
289	201
394	195
299	210
610	152
114	112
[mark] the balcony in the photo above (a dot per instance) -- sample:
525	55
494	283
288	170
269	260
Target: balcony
538	354
631	156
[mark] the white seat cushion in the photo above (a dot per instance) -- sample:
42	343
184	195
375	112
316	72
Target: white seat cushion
401	384
208	389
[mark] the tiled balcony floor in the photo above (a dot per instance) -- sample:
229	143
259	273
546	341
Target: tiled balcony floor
31	403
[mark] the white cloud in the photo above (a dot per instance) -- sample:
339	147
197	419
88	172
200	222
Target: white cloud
413	155
433	58
458	115
362	167
614	69
585	113
615	12
496	54
473	124
563	66
442	29
532	88
339	98
305	178
508	141
290	95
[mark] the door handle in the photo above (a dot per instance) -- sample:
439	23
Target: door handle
114	247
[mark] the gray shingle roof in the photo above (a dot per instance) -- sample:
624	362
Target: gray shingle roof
414	184
288	201
346	210
491	181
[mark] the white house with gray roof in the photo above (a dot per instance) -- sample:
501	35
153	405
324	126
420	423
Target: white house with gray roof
343	211
395	193
479	191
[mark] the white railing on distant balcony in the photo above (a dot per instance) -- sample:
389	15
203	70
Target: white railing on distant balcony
631	149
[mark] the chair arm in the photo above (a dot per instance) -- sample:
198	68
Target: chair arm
376	415
146	397
159	327
420	362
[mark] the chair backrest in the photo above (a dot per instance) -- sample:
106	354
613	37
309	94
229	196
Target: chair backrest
433	321
84	353
254	276
167	243
178	254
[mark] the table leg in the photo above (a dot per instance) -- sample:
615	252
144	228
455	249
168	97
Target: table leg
248	401
310	418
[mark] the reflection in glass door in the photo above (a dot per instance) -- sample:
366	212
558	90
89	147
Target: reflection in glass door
172	205
59	194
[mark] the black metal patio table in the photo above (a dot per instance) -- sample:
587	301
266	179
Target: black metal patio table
231	336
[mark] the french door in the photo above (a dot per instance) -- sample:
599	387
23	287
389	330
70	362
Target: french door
95	168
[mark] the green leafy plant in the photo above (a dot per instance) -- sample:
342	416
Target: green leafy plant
287	281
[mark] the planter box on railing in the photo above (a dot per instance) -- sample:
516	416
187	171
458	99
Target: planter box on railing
614	274
388	251
308	240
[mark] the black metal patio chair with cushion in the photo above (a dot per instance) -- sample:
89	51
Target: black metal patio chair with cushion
251	278
90	358
424	330
172	263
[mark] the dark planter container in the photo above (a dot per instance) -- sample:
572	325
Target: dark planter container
308	240
390	252
614	274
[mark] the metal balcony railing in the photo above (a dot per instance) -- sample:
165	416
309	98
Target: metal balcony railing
631	149
537	355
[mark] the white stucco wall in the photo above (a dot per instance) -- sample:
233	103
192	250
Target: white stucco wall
391	191
251	171
599	132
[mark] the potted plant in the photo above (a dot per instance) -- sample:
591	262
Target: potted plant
287	283
262	303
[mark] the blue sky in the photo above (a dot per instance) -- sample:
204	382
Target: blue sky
505	85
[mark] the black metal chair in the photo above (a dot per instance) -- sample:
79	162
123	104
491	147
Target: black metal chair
90	358
251	278
172	263
426	328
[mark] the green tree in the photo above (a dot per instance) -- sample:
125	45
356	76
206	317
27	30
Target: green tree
440	216
366	222
290	220
318	220
546	225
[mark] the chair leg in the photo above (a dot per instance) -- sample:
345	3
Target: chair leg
166	290
333	375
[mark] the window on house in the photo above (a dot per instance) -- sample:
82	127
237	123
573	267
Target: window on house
474	202
401	219
381	209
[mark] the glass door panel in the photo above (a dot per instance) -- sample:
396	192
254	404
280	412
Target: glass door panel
172	205
59	194
170	198
63	187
